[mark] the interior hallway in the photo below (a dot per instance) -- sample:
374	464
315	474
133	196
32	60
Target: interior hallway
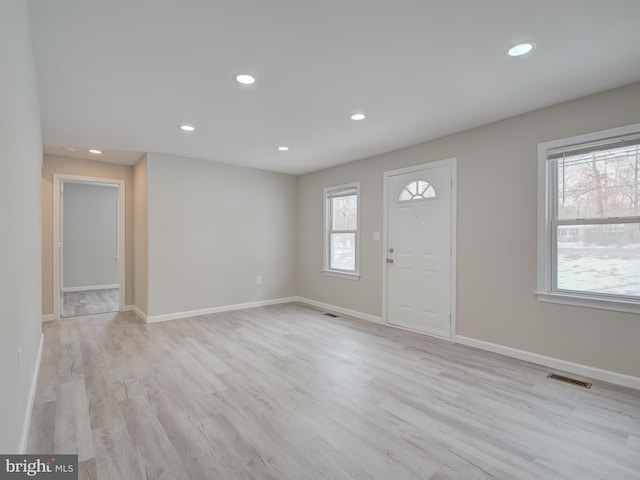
90	302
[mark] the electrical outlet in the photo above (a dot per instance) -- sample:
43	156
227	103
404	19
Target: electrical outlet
259	280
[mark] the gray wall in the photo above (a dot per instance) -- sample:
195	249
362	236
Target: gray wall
140	236
20	273
496	272
212	228
88	168
90	235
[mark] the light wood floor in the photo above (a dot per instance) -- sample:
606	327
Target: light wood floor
284	392
90	302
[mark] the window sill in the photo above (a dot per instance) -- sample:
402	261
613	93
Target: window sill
339	274
615	304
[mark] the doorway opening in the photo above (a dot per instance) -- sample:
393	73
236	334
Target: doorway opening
88	245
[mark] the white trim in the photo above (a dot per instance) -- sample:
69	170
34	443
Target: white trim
48	317
90	287
453	163
26	423
364	316
340	274
343	311
551	362
261	303
454	246
58	178
544	290
92	182
577	300
138	312
433	334
326	263
590	137
207	311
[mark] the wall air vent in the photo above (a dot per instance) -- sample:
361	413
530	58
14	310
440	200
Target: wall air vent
572	381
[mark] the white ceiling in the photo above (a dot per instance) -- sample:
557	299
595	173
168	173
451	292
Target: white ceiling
121	75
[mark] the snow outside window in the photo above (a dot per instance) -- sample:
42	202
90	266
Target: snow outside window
589	220
341	231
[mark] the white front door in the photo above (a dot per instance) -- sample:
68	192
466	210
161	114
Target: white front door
419	248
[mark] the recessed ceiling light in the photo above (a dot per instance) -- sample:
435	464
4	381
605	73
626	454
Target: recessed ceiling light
245	79
358	116
519	49
68	149
95	152
187	128
283	148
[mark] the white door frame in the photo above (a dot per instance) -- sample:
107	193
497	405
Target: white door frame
58	179
385	243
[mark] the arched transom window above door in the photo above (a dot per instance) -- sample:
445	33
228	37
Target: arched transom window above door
417	190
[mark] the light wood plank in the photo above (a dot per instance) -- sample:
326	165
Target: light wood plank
90	302
284	392
72	427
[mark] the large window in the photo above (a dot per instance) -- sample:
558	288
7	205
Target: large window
589	220
341	230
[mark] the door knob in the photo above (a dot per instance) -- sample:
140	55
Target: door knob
389	260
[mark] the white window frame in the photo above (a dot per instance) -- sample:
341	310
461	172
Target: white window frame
546	259
329	193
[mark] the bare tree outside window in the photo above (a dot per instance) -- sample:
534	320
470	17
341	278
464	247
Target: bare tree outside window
344	223
341	235
597	223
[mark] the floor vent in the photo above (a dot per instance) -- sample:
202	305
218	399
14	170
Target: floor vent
332	315
572	381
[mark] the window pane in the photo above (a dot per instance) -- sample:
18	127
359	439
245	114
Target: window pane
428	192
417	190
345	212
343	251
405	195
599	258
599	184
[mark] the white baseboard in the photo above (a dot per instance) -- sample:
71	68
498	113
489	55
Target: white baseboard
551	362
138	312
555	363
207	311
90	287
48	317
26	424
343	311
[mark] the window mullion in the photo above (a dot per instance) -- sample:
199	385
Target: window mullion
596	221
342	245
584	249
